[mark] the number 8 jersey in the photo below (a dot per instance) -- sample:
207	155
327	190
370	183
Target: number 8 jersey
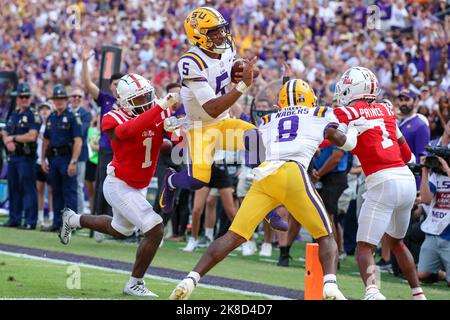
294	133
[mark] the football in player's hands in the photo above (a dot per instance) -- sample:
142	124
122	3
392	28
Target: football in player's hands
236	71
238	68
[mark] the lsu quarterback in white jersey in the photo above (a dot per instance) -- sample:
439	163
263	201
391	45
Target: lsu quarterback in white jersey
205	72
290	137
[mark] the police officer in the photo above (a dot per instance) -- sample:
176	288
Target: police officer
20	137
62	146
86	117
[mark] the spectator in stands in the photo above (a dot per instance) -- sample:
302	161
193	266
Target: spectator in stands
413	126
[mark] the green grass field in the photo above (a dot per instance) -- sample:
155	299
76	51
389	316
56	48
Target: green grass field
169	256
28	278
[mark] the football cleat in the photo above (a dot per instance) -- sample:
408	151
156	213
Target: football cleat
183	290
276	222
332	292
191	245
66	231
167	197
248	248
266	250
139	290
374	296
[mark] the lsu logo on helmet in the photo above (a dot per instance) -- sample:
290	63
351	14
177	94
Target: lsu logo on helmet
296	92
198	25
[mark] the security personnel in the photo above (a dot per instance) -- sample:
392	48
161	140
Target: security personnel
86	117
19	137
62	146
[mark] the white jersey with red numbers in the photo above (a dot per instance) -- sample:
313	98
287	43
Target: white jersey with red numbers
135	159
376	148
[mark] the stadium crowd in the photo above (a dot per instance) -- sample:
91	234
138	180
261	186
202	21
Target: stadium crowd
405	43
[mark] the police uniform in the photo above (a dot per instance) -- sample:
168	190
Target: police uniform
60	131
85	117
21	168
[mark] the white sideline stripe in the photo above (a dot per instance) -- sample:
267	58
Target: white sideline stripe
207	286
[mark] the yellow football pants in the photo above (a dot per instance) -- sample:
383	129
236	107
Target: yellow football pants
291	187
202	143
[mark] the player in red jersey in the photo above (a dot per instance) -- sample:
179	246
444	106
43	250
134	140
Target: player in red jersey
391	187
136	133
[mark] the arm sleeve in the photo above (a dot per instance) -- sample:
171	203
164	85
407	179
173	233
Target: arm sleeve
46	131
398	132
35	121
343	116
421	140
406	152
76	126
201	90
432	182
149	119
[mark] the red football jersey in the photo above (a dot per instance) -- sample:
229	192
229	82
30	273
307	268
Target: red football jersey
376	148
135	158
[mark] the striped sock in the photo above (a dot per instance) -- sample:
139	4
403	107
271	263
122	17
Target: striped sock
418	294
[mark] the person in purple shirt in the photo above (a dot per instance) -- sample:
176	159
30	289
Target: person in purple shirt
105	154
360	12
413	126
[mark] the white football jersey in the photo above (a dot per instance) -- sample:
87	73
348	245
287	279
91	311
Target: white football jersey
196	66
295	133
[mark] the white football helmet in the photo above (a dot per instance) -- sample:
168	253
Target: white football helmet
135	94
356	83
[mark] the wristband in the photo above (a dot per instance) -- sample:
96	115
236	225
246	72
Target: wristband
73	161
241	87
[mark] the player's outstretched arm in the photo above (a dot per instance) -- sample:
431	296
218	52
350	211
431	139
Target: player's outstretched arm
88	84
216	106
146	121
335	136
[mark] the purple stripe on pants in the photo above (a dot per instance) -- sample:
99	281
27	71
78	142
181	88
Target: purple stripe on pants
319	209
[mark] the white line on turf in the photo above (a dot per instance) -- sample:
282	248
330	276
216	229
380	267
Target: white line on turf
207	286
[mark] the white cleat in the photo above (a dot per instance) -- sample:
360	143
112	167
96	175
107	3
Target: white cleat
191	245
66	231
99	237
266	250
332	292
139	290
248	248
374	296
183	290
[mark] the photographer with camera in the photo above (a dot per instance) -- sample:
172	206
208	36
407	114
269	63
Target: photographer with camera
435	193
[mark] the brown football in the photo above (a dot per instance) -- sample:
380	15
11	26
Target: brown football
238	66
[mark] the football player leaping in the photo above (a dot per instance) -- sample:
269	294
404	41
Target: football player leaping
391	188
136	134
205	72
291	138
